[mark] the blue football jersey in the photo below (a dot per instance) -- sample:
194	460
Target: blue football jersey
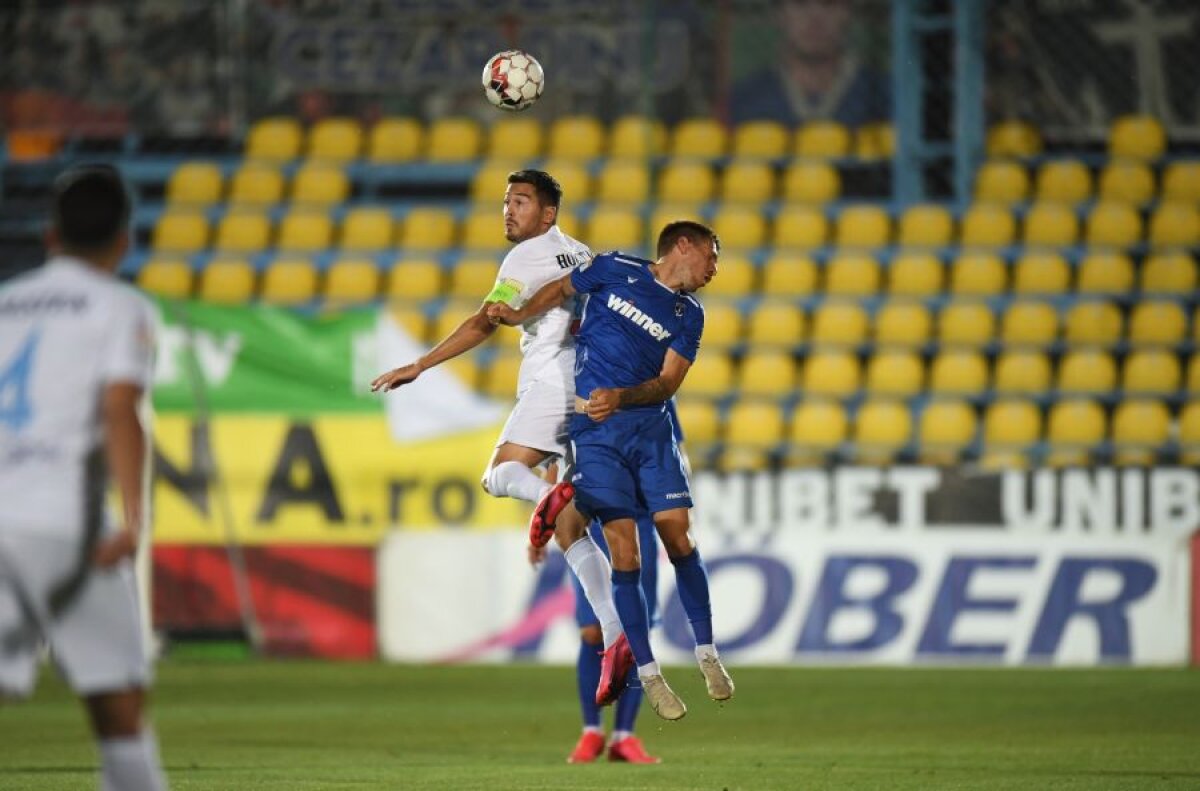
629	321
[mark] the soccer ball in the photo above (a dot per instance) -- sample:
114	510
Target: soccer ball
513	80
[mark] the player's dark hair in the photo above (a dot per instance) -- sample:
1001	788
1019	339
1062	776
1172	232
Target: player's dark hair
548	190
697	232
90	208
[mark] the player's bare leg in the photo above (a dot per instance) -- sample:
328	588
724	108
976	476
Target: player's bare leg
674	528
128	749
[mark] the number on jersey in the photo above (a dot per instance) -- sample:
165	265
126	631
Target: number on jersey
16	409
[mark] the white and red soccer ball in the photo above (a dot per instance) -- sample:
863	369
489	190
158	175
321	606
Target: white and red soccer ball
513	80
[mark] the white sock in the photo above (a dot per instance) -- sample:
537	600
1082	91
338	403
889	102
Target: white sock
649	669
708	649
619	735
594	573
593	729
131	764
514	479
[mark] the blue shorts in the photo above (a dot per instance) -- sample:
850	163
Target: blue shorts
648	545
627	465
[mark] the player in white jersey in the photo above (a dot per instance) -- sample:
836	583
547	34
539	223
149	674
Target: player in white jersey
76	356
536	430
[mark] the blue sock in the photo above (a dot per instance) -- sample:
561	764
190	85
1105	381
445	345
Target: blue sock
631	607
628	704
692	580
587	673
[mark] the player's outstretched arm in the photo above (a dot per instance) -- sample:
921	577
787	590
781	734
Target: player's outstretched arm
548	296
125	452
603	401
474	330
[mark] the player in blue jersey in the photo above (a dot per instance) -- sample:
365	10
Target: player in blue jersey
640	333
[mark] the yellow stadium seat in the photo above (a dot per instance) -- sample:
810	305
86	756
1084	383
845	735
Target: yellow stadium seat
830	373
1013	139
1157	323
194	184
289	281
428	229
1050	225
1127	182
472	278
1029	323
1137	137
800	228
1001	181
914	274
959	373
822	140
637	137
167	277
818	427
875	141
414	280
1064	181
1093	324
568	222
748	182
228	281
305	230
988	225
1087	371
1193	374
852	274
243	232
1022	372
514	139
623	181
1139	428
862	226
614	228
926	225
1113	225
410	318
1041	273
881	429
786	275
686	182
320	185
500	378
722	324
1152	372
255	184
1010	427
276	139
699	421
367	228
1181	182
1075	428
699	137
837	323
903	323
978	274
180	232
736	277
450	316
772	323
966	323
393	140
811	182
350	280
711	376
895	373
454	139
1105	273
1189	434
767	372
946	428
1175	225
573	177
335	140
491	180
763	139
1169	273
752	428
739	226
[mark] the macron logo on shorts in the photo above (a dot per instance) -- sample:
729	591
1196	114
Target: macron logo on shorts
627	310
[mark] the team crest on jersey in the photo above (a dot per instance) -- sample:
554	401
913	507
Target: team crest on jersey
678	308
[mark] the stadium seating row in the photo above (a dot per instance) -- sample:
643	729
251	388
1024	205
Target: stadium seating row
1071	181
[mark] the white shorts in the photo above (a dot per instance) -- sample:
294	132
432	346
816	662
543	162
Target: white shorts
51	594
539	419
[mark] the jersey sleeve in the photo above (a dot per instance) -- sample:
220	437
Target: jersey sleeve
128	353
592	275
687	343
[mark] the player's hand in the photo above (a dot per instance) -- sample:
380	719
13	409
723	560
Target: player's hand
396	377
535	554
115	548
602	402
498	313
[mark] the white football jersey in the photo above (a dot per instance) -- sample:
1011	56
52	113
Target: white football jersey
67	331
547	346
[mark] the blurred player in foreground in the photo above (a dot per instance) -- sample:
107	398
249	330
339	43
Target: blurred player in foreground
640	333
76	355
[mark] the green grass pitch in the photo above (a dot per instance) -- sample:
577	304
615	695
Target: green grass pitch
310	725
